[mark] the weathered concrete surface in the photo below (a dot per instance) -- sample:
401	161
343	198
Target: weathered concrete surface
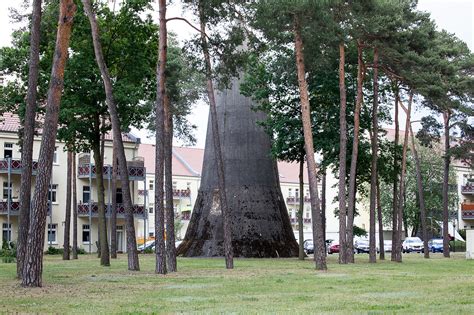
260	223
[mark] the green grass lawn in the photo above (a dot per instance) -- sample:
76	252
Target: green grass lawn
437	285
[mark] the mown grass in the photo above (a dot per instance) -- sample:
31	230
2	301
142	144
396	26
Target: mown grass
436	285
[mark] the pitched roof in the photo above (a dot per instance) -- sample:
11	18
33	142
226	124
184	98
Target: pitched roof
188	162
10	122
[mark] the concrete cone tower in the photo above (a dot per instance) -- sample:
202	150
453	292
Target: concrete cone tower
260	222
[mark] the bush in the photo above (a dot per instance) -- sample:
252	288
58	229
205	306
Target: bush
8	252
148	251
54	251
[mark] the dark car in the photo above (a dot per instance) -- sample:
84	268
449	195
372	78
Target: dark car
435	245
334	248
308	247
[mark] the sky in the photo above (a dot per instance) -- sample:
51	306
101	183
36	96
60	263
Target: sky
455	16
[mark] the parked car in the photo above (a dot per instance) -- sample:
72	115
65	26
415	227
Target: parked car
308	246
412	244
387	246
361	245
147	245
333	248
435	245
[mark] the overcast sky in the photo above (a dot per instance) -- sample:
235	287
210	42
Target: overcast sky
455	16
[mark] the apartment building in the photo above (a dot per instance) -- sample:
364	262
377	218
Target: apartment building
466	196
10	172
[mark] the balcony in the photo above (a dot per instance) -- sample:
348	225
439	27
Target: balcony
177	193
305	220
186	215
83	210
467	189
135	172
15	166
467	210
296	200
14	208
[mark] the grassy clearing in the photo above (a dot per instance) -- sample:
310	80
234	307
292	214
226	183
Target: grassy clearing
437	285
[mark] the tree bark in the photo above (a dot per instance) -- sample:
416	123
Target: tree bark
160	266
447	161
380	222
301	253
28	137
228	250
74	207
373	175
169	211
421	195
319	246
323	203
355	151
396	242
67	221
33	259
133	263
342	157
102	227
113	214
402	177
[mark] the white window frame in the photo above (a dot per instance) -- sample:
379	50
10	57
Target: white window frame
86	227
54	193
8	146
53	228
5	190
6	230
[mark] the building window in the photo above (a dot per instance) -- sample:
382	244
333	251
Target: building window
6	189
307	192
307	214
7	232
175	185
52	194
290	192
52	228
55	156
150	210
118	195
151	234
86	194
297	193
8	150
188	185
151	186
86	233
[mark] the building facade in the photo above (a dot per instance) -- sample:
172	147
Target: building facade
10	172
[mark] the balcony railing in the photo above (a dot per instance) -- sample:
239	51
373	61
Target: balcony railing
83	210
467	189
15	166
296	200
186	215
177	193
135	172
295	220
14	208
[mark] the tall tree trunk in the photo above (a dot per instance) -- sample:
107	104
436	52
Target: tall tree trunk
323	204
355	151
99	171
160	266
342	157
228	251
67	221
447	161
28	137
396	243
373	175
74	207
380	222
301	253
401	204
33	259
319	246
113	214
133	263
169	211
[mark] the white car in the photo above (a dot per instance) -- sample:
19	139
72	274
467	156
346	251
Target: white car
387	246
412	244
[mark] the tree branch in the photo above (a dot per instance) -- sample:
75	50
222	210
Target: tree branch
189	23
